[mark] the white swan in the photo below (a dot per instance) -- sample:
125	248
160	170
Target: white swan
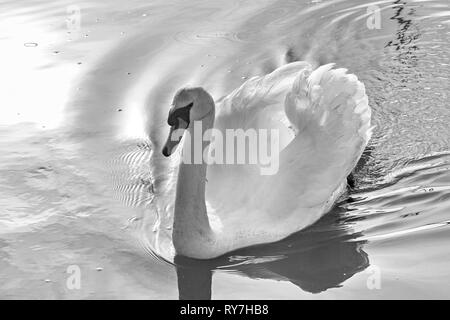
323	118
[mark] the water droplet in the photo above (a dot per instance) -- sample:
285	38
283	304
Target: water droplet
202	65
48	280
30	44
99	269
78	62
119	110
144	15
55	52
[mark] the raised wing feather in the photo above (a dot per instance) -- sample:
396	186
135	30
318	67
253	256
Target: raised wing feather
330	113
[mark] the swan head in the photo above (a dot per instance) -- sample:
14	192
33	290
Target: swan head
189	105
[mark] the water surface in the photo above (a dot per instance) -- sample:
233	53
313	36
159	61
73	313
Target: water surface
82	110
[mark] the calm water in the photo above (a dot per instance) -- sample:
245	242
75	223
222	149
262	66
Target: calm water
85	91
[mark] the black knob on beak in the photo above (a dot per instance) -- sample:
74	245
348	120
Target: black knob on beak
165	151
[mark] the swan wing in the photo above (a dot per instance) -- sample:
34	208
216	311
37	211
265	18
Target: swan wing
257	104
259	101
329	111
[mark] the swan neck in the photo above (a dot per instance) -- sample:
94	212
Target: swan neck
191	229
192	172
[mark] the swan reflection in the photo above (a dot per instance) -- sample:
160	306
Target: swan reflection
318	258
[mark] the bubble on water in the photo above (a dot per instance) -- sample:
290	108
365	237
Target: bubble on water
99	269
119	109
48	280
30	44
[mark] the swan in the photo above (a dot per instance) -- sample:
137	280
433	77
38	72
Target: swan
322	120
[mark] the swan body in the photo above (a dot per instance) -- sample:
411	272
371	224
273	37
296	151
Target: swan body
322	118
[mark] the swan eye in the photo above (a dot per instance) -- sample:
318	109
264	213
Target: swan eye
180	113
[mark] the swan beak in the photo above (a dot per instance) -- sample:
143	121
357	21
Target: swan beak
174	138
